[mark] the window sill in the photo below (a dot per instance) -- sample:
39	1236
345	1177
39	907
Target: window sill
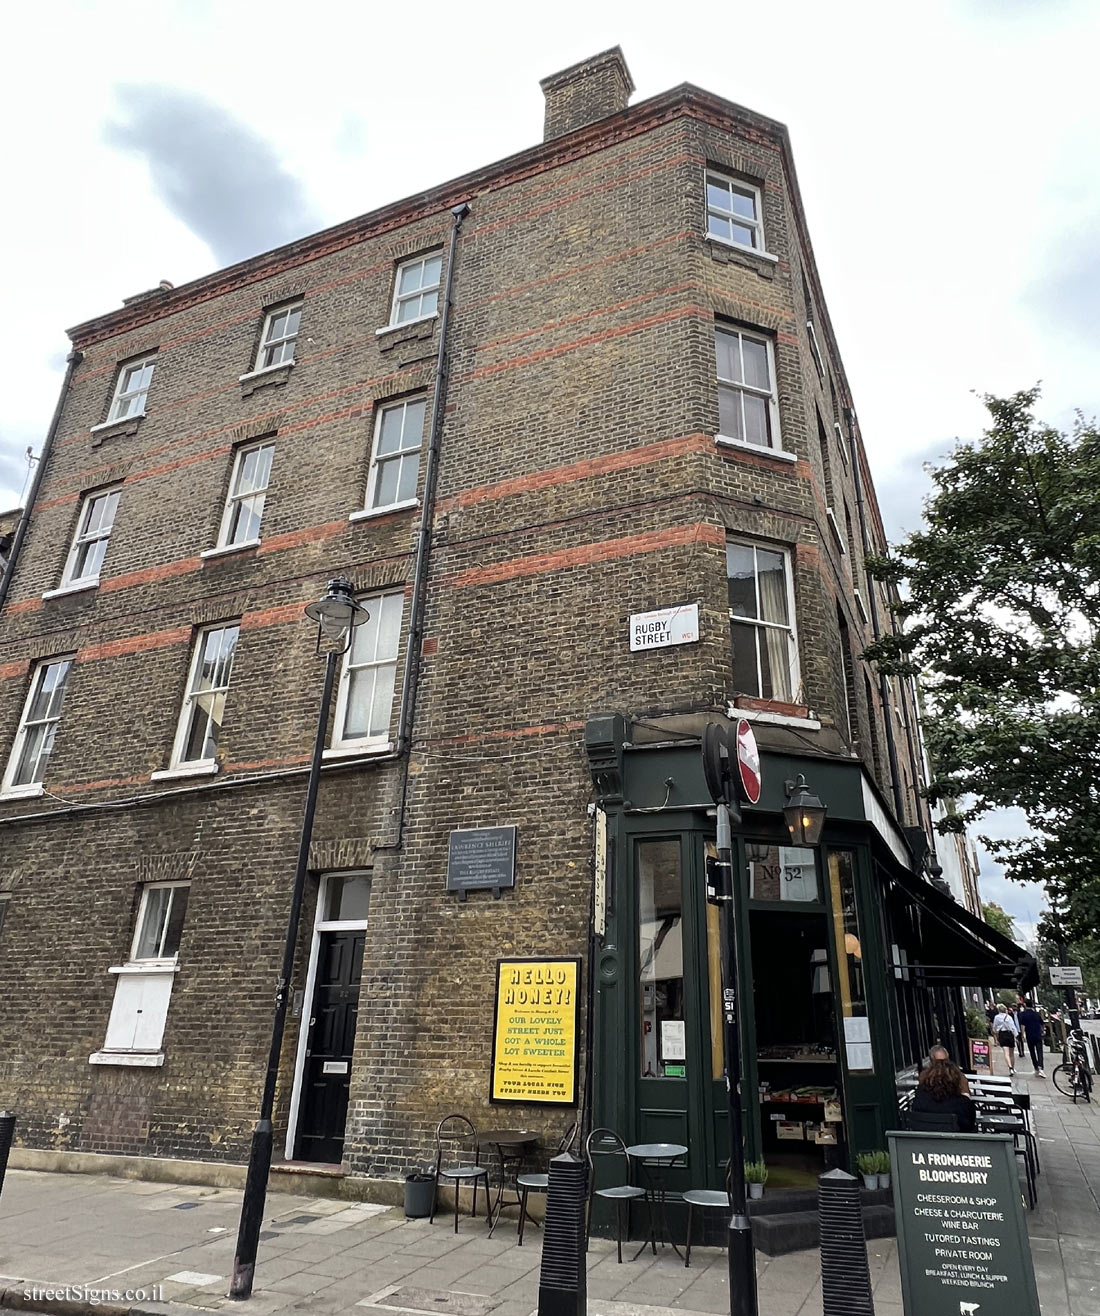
806	723
841	444
121	420
74	587
405	324
778	453
830	516
369	513
230	548
205	769
144	1059
367	749
23	792
737	246
264	370
146	966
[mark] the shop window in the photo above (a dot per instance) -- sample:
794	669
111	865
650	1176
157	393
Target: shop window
851	988
785	873
661	961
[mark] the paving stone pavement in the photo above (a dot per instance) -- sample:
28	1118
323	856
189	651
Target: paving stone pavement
121	1237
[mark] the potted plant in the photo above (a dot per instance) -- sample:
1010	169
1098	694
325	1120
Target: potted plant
883	1160
756	1176
868	1168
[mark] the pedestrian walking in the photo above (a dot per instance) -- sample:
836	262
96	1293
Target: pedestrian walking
990	1013
1031	1027
1006	1030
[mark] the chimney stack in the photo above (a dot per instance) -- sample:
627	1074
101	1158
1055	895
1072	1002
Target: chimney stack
586	92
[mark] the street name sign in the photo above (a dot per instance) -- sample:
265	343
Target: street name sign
962	1241
664	627
1066	975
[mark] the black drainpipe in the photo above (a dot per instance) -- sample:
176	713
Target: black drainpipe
72	361
424	535
883	683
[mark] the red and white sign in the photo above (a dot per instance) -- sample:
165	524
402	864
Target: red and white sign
748	762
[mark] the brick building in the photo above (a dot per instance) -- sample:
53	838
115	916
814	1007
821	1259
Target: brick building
638	405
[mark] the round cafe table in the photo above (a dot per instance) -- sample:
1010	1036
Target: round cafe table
512	1146
655	1159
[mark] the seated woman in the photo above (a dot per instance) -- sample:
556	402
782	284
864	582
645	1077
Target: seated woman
941	1091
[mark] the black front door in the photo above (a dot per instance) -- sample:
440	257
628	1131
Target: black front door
327	1076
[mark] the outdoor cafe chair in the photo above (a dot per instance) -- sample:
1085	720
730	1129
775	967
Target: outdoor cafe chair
539	1182
456	1139
706	1199
606	1147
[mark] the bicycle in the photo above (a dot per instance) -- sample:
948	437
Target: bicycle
1073	1077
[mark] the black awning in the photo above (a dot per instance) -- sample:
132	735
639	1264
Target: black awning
957	947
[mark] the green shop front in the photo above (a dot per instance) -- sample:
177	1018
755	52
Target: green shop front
833	1000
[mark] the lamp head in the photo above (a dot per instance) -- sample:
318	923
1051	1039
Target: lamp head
804	814
338	612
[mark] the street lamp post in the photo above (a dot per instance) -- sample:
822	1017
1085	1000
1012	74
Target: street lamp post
336	615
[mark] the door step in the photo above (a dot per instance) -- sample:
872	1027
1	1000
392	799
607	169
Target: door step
788	1222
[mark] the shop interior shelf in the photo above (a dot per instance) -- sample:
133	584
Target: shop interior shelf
796	1060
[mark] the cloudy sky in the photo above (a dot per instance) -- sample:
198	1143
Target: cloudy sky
946	154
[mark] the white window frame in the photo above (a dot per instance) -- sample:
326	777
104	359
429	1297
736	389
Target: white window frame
269	344
791	628
125	397
235	497
755	226
139	923
771	395
400	456
399	298
82	537
143	993
8	788
341	744
179	745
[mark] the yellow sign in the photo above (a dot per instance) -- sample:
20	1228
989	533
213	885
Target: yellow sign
535	1032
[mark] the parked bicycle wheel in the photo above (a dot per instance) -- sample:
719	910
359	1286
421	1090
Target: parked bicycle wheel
1063	1077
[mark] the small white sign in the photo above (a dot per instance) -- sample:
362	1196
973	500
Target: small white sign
665	627
334	1067
673	1040
1066	975
599	897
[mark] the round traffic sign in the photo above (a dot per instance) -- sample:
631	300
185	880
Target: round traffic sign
748	762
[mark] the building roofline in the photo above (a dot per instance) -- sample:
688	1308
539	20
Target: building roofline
685	99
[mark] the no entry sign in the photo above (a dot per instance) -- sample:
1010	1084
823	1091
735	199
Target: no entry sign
748	762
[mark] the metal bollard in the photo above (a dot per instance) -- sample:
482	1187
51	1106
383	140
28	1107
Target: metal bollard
7	1132
563	1279
845	1274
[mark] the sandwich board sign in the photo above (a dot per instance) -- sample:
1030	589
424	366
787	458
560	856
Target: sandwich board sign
963	1247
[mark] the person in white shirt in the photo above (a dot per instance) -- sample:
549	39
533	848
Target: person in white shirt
1006	1030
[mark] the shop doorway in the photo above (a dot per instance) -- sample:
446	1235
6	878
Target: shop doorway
798	1078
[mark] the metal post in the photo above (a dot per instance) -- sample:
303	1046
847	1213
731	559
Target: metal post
845	1274
259	1160
7	1133
1068	994
742	1260
563	1277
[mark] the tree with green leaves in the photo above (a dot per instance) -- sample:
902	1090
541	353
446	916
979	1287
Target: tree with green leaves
1000	612
996	917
